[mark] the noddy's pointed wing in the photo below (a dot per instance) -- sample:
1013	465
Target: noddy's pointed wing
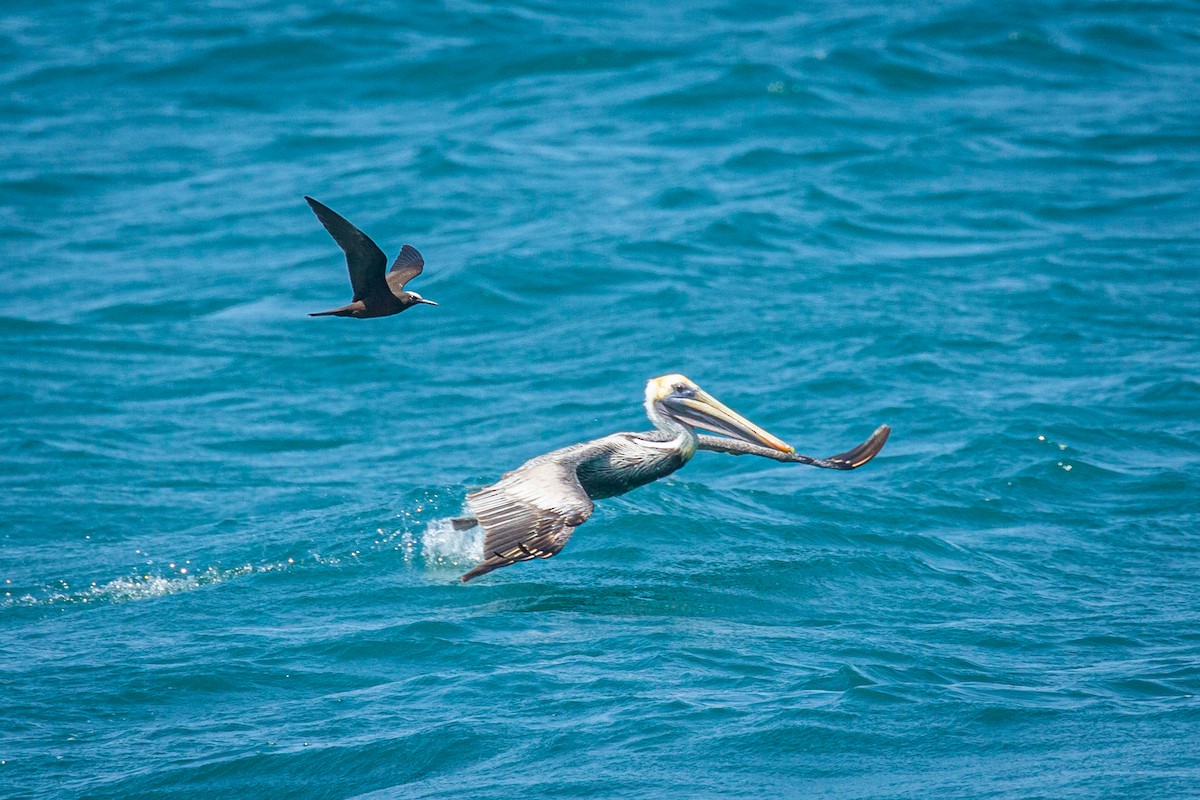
407	266
851	459
530	512
364	259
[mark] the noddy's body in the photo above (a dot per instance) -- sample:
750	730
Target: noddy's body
532	511
375	294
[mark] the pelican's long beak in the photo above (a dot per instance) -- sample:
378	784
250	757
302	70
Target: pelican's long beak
705	411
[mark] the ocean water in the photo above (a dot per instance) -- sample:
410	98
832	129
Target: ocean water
225	559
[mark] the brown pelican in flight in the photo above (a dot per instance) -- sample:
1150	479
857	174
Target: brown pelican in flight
532	511
375	294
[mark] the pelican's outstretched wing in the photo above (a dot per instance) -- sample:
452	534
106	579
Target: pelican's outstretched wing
407	266
364	259
851	459
532	511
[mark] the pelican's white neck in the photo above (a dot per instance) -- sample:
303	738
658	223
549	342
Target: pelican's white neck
683	436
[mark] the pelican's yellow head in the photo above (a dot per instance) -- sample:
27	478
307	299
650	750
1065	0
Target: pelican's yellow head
658	389
678	398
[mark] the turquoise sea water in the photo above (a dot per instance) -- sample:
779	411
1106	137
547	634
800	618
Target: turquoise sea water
226	565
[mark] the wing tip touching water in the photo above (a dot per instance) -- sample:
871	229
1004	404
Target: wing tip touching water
856	457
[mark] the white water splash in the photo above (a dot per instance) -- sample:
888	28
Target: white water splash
142	586
444	546
439	547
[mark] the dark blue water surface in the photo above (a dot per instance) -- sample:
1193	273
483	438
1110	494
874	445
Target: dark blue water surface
226	562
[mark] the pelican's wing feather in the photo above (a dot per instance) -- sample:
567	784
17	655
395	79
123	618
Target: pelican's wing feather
851	459
532	511
365	261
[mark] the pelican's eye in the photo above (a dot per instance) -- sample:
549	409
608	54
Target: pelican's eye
683	389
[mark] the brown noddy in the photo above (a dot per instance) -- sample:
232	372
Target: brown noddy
375	294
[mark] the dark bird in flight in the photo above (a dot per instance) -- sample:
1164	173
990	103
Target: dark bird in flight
375	294
532	511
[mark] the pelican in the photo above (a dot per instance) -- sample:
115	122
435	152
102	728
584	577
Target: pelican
532	511
375	294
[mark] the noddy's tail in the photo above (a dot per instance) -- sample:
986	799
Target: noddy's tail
344	311
358	307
